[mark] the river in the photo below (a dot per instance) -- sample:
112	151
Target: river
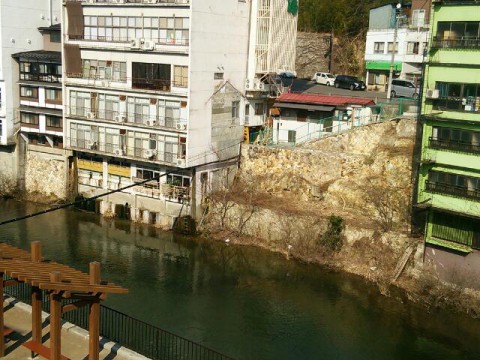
243	301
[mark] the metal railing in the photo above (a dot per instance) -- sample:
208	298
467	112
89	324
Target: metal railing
458	43
453	145
450	189
142	43
315	129
158	190
141	337
130	118
119	150
116	2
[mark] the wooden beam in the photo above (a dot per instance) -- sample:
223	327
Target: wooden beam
36	251
92	289
36	314
11	282
74	306
55	326
2	338
94	331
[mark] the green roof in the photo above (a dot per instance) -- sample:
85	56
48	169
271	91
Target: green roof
383	65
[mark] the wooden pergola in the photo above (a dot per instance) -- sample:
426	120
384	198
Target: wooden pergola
59	282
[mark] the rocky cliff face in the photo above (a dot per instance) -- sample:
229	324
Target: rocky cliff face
284	198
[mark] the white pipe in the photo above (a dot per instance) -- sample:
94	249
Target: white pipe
50	11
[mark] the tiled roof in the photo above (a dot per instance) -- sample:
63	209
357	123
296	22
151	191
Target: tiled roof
333	100
43	55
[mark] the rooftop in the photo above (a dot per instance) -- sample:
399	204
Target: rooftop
333	100
39	55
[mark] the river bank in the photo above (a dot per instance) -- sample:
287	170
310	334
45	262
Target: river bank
342	202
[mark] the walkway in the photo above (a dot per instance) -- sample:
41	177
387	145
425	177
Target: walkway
74	339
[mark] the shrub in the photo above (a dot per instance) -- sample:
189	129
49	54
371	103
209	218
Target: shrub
332	238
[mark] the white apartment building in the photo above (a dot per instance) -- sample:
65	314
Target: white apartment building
160	90
411	21
19	23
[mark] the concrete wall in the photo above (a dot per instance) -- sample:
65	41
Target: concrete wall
46	172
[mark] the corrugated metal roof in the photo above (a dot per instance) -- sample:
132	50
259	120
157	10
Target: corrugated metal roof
333	100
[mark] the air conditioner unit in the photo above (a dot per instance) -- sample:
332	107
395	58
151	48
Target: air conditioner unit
432	94
148	45
179	126
120	118
136	43
151	123
149	153
90	115
184	126
180	162
118	152
149	1
248	84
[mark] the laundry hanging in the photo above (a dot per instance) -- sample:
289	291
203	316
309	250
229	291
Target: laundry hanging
292	7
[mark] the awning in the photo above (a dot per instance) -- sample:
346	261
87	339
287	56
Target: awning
304	106
383	65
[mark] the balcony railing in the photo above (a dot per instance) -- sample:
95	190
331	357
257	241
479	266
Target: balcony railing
50	78
134	43
129	118
117	150
449	189
454	145
459	43
158	190
146	2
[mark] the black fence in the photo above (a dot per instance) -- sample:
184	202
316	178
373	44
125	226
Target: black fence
136	335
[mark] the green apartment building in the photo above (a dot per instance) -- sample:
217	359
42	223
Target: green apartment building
449	175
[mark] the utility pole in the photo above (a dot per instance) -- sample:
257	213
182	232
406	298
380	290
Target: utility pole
394	48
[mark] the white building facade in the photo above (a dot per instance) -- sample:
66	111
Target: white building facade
409	48
154	95
19	21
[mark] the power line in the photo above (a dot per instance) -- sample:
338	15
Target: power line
78	202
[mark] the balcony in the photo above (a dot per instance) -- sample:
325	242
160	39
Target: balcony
140	44
123	151
441	144
158	190
129	118
459	43
458	191
133	2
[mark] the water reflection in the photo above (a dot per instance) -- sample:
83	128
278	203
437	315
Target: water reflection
243	301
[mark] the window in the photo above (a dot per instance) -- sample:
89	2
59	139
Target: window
218	76
457	97
53	121
259	109
379	48
418	18
53	96
455	139
164	30
151	76
457	34
29	92
1	128
390	47
55	37
413	48
47	72
180	76
104	70
28	118
235	110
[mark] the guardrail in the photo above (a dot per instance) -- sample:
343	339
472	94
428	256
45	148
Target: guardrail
141	337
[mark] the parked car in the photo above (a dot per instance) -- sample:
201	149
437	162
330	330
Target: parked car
286	78
349	82
404	88
324	78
